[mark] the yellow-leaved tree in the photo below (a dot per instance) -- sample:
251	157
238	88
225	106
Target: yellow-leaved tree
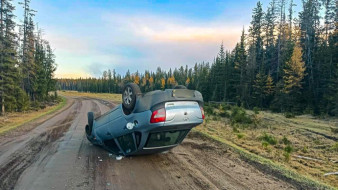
137	80
151	83
187	82
162	83
171	81
269	86
294	71
145	79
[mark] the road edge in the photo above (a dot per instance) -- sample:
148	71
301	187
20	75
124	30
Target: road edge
61	106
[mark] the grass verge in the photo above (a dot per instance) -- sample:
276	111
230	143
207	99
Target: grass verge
268	166
14	120
116	98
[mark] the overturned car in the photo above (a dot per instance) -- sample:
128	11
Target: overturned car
147	123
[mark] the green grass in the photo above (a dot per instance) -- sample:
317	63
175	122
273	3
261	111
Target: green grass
335	147
268	138
240	135
277	169
19	119
116	98
303	122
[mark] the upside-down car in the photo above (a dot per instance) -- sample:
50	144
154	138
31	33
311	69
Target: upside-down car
147	123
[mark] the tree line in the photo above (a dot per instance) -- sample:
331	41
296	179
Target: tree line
284	62
27	61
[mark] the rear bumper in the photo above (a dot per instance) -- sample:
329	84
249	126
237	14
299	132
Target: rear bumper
154	150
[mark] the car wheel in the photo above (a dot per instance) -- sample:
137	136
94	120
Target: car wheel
180	87
89	127
129	95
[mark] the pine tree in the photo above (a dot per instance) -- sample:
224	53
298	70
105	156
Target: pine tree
281	37
309	40
110	81
27	58
290	17
28	65
329	18
127	76
259	89
39	60
50	68
219	77
269	90
331	95
8	69
269	28
256	35
240	64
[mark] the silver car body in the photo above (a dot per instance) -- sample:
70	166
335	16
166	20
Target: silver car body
134	134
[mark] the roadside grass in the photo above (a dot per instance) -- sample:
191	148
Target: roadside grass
267	165
116	98
14	120
286	142
304	122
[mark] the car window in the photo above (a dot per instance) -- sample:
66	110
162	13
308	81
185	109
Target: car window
166	138
127	143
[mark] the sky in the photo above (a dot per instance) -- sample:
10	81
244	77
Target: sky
90	36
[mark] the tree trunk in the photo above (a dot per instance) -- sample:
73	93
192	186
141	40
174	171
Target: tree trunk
1	45
2	105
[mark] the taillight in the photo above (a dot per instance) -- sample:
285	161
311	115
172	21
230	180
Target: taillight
202	111
158	116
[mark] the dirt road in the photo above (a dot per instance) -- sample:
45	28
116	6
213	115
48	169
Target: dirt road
56	155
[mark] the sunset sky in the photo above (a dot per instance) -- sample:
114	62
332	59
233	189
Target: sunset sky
91	36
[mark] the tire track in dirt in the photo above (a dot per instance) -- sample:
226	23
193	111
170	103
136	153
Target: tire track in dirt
15	139
65	169
11	170
224	168
89	154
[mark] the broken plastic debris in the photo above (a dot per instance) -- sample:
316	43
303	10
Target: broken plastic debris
119	157
100	160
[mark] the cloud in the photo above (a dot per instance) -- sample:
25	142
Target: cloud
170	29
140	42
168	42
73	75
96	69
69	43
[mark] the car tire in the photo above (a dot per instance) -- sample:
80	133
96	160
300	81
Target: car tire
89	127
180	87
129	96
